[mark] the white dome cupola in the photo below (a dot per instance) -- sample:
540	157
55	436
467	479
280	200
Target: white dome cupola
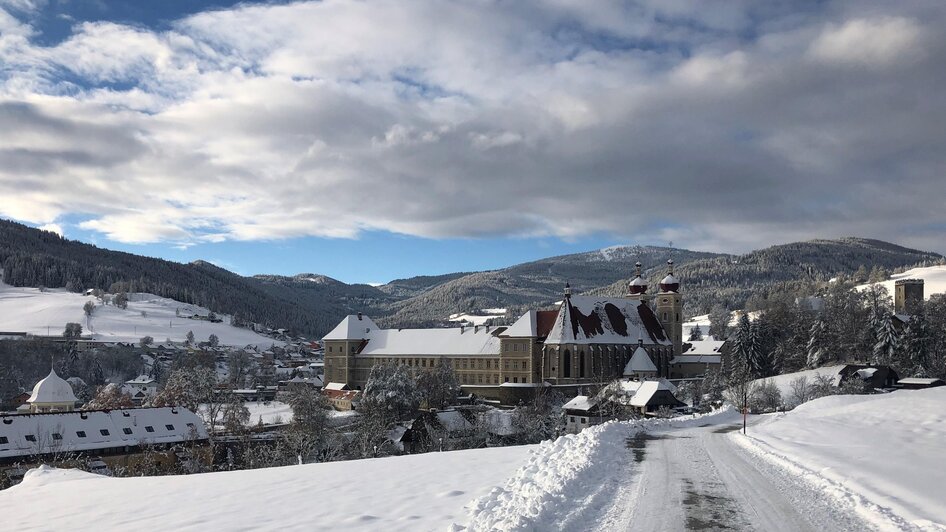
52	394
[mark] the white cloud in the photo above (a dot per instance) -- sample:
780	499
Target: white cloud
871	42
53	228
733	126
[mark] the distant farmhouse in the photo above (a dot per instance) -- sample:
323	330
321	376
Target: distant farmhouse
588	340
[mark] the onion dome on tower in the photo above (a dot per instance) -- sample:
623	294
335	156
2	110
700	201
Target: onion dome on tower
637	285
669	283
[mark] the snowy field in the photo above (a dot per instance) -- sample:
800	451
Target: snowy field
886	449
29	310
416	493
784	382
276	412
480	318
934	280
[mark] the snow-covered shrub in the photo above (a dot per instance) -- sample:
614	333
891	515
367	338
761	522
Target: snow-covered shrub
765	397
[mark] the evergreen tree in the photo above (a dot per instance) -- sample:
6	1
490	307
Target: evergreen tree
914	356
696	334
888	341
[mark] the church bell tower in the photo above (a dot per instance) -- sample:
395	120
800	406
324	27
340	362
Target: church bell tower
669	308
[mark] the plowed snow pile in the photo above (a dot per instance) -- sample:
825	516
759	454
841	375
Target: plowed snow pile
565	482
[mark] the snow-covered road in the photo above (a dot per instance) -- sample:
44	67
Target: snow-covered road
698	478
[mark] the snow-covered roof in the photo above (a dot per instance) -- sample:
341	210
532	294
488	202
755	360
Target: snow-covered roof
97	429
605	320
638	281
524	327
353	327
453	421
923	381
52	389
640	362
335	386
142	380
647	390
480	340
704	347
669	279
580	402
695	359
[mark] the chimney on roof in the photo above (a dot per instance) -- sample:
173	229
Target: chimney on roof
568	290
359	316
462	328
476	328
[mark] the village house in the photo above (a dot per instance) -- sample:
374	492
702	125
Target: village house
581	413
141	389
698	358
339	396
588	340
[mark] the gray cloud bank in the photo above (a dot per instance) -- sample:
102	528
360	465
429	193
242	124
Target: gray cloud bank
726	126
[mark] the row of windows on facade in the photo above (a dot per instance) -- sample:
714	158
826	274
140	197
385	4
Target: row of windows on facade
506	347
81	433
485	379
459	364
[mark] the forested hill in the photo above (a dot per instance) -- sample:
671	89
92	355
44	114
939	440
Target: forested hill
533	284
732	281
31	257
312	304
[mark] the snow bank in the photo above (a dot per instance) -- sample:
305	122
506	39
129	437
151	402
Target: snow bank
881	454
566	479
416	492
31	311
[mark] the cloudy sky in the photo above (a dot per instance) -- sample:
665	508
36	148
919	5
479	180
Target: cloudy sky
375	139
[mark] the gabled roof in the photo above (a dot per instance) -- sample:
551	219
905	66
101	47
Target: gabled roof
649	390
353	327
605	320
581	402
640	362
524	327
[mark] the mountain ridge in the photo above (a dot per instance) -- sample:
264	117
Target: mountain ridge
312	303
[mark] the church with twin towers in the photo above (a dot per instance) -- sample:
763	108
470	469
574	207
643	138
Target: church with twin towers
587	340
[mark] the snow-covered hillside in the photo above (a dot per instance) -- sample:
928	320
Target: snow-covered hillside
884	449
32	311
414	492
479	318
934	280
